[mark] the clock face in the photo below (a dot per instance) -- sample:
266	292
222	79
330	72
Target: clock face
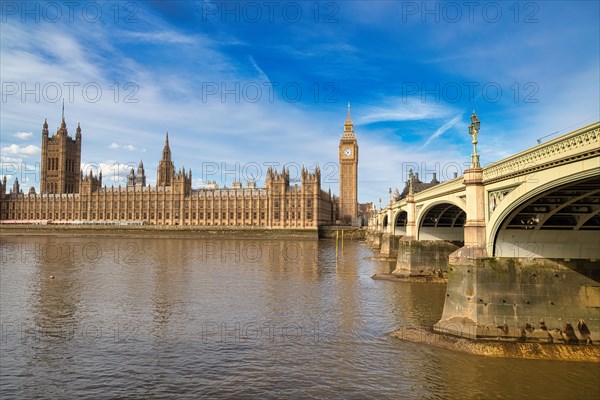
347	151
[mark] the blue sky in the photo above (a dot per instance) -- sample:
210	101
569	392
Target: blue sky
243	85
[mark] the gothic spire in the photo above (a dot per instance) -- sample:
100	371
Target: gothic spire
348	117
63	124
166	170
348	126
167	148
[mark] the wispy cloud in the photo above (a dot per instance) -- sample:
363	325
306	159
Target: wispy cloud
261	73
449	124
161	37
404	109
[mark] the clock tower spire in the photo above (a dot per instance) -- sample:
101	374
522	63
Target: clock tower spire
348	159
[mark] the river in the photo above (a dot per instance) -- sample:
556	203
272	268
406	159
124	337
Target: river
125	317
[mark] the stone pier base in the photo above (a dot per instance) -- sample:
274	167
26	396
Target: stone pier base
528	299
423	258
389	245
374	240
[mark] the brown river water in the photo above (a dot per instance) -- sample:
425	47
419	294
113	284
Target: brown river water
149	318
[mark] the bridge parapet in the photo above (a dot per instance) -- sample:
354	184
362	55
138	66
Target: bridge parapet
558	151
453	185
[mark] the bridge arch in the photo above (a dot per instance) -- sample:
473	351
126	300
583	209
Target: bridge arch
441	220
400	220
557	219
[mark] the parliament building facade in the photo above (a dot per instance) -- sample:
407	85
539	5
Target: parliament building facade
67	196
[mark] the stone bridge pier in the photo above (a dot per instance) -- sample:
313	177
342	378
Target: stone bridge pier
549	290
374	239
519	240
389	245
421	258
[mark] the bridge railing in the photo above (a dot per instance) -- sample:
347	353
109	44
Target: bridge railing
560	150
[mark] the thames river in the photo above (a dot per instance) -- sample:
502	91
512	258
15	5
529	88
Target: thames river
124	317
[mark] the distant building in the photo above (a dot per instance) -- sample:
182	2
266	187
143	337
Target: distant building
68	197
417	185
137	179
211	185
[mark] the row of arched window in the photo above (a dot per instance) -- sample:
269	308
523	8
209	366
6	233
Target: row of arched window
53	164
52	187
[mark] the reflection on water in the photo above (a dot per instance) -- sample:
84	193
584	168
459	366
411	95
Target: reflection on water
148	318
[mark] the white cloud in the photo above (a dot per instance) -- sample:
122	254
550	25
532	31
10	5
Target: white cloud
128	147
23	135
16	150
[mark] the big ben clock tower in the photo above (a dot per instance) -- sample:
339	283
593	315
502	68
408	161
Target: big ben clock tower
348	156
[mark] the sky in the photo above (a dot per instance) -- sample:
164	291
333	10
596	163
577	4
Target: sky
241	86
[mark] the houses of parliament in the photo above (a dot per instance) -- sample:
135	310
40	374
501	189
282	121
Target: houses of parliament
67	196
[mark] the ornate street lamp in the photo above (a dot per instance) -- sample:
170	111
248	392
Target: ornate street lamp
473	131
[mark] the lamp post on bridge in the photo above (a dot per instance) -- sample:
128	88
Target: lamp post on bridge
475	228
380	216
390	215
411	210
473	131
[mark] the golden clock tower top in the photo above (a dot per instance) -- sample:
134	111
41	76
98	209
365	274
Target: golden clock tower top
348	127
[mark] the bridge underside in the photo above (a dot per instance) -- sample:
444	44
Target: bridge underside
443	222
561	223
400	225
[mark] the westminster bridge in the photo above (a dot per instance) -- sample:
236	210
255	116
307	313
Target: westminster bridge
518	239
